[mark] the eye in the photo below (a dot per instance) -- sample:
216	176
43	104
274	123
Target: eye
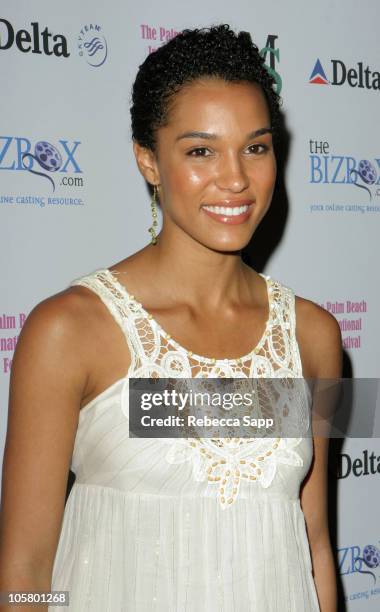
199	152
257	149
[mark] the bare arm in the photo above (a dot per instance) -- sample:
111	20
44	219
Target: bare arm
48	379
325	351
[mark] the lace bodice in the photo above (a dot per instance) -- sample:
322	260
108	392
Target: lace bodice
224	462
155	353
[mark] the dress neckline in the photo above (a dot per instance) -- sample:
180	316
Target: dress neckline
112	278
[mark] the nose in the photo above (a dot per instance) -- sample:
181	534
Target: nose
232	175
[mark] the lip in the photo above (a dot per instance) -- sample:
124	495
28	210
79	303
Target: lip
230	203
227	219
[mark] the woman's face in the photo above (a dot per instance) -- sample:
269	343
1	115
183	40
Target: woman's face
215	151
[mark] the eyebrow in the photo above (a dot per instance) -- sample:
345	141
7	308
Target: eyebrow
210	136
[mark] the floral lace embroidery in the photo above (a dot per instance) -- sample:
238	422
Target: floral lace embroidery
235	460
223	461
230	460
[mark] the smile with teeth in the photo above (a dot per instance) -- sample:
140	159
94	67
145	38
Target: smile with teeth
228	211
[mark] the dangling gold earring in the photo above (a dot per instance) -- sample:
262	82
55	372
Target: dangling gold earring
153	206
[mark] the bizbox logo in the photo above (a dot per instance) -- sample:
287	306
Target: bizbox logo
360	76
50	159
55	162
329	168
354	559
16	154
356	565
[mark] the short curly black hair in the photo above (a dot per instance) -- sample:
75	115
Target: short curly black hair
192	54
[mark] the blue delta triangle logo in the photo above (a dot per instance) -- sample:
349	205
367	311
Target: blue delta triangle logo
318	76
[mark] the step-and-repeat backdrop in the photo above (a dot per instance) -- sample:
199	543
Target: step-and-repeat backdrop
72	200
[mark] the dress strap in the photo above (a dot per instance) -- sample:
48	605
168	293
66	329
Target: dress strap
143	344
288	324
100	282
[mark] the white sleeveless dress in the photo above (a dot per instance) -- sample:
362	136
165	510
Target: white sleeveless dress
155	525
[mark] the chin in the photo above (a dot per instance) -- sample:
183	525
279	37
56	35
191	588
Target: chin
226	246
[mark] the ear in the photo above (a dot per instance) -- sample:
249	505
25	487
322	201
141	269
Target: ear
146	161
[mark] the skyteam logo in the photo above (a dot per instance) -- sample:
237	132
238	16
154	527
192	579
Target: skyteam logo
92	45
318	75
361	76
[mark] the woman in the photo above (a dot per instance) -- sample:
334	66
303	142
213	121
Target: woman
142	528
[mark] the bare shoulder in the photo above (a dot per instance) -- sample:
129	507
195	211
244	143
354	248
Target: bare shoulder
62	315
59	330
319	338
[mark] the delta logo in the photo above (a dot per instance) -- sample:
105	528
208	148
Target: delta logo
360	76
318	76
